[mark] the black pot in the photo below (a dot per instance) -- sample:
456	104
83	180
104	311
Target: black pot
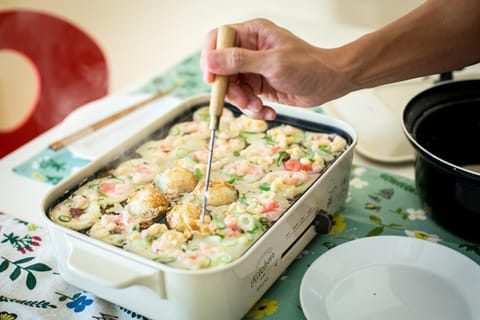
443	125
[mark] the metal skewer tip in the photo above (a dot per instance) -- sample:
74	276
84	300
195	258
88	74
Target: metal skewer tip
207	174
204	205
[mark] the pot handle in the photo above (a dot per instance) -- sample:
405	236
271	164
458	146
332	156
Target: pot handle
445	76
111	270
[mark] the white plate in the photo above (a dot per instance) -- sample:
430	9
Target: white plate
99	142
376	116
391	277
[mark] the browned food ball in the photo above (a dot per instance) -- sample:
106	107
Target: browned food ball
186	218
176	180
220	192
147	204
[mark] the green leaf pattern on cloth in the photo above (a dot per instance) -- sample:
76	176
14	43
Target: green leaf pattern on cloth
374	207
30	283
50	166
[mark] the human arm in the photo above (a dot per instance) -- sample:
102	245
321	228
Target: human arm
438	36
269	61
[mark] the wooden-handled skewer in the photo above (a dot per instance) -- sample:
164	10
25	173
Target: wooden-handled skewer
59	144
225	39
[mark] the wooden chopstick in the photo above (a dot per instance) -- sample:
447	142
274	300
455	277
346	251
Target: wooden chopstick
59	144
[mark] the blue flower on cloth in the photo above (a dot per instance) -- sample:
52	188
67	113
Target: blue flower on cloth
79	304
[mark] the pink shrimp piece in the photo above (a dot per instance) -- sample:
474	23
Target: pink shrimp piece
244	170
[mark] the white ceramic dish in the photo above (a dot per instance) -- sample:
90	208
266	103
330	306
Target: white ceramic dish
391	277
376	116
98	142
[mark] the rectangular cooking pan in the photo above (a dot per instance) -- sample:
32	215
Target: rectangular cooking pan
159	291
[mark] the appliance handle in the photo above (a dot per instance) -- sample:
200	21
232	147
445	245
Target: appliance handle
111	270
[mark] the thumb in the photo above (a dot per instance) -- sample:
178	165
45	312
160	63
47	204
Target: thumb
235	60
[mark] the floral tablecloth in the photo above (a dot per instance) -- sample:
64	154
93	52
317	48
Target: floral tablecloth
32	288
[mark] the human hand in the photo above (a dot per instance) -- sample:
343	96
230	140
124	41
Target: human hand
271	62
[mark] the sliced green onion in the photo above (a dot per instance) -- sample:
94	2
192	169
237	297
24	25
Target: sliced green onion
175	131
165	259
243	138
181	153
116	180
236	153
249	236
308	154
264	187
301	184
219	223
85	207
247	222
225	259
140	244
325	148
230	242
64	218
264	220
281	155
269	140
93	186
247	132
243	199
198	174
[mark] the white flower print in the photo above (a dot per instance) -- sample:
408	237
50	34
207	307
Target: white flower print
416	214
359	171
36	164
358	183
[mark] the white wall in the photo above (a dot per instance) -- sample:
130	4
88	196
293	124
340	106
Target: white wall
142	38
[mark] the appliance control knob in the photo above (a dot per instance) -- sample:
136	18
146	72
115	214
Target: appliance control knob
323	222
